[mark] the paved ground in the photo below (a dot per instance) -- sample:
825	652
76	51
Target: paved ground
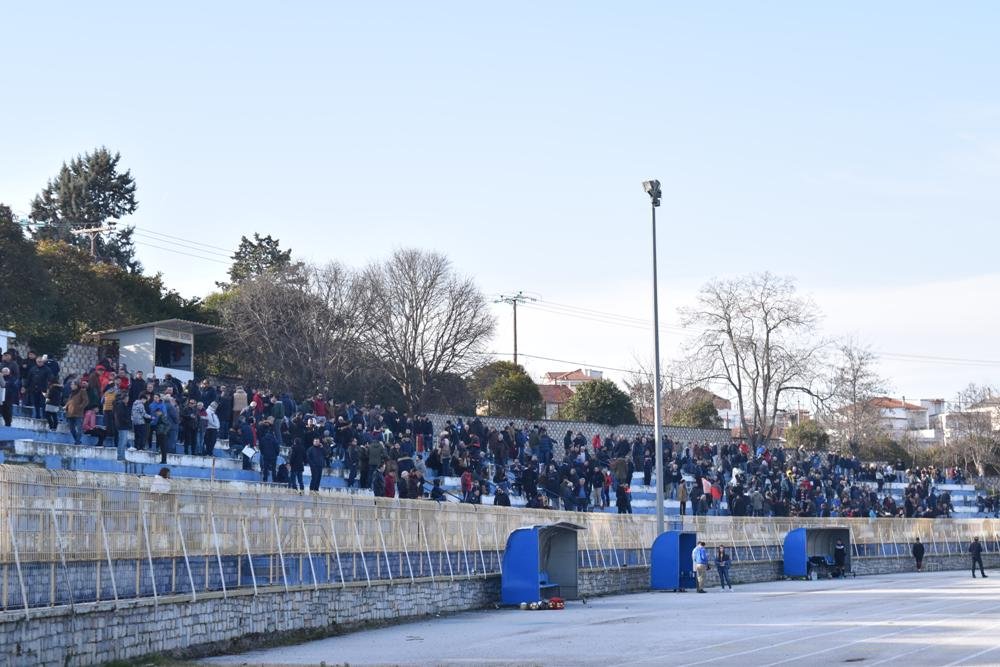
944	618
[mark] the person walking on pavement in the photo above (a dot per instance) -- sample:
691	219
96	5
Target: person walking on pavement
976	549
699	556
918	554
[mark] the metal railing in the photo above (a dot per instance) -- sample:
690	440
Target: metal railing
71	537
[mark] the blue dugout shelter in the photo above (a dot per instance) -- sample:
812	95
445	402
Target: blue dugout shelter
812	549
540	562
671	567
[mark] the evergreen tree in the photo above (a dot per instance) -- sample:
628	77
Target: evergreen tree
90	192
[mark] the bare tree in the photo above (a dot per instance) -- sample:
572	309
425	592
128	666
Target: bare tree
297	327
972	433
639	386
846	407
425	320
759	337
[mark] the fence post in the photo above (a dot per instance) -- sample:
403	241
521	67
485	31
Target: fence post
427	546
600	549
614	546
218	558
62	559
361	549
281	553
406	550
336	550
465	550
385	551
447	554
149	557
187	563
496	543
17	562
246	543
107	553
312	569
479	541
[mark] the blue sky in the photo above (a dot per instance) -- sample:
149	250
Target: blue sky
854	146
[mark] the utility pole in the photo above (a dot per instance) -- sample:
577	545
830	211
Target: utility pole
93	233
513	300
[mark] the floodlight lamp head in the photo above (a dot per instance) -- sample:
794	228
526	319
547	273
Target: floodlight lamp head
652	188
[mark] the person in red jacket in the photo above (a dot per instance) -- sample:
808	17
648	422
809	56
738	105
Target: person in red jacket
319	406
390	485
466	486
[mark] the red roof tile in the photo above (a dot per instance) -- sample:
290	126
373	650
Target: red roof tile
555	393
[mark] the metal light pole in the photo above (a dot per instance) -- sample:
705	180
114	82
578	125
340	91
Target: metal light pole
652	188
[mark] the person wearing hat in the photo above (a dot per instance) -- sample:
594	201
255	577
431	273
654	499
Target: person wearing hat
976	550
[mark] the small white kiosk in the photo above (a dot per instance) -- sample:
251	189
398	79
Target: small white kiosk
6	340
156	348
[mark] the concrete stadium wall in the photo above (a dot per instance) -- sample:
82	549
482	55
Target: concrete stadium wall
94	633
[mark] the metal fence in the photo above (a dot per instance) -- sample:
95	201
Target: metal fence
71	537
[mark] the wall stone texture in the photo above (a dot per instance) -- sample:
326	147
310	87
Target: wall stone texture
95	633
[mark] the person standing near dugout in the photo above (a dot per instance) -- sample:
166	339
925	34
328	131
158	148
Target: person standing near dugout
918	554
976	549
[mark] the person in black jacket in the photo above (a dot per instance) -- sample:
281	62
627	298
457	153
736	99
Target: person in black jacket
918	554
37	384
296	465
269	451
316	460
976	549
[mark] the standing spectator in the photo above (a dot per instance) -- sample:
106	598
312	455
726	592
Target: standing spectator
8	393
317	460
699	556
722	563
239	404
189	426
161	430
839	558
140	422
976	550
53	403
123	422
225	410
378	480
269	451
76	405
296	465
173	417
918	555
211	428
351	460
682	496
37	384
108	413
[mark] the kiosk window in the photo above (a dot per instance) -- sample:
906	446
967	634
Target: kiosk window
173	355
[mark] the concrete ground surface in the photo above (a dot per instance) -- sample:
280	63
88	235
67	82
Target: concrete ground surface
942	618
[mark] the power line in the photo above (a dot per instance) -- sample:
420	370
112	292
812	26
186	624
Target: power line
604	320
174	250
227	251
184	244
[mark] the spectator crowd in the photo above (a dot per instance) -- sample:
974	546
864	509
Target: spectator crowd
399	455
